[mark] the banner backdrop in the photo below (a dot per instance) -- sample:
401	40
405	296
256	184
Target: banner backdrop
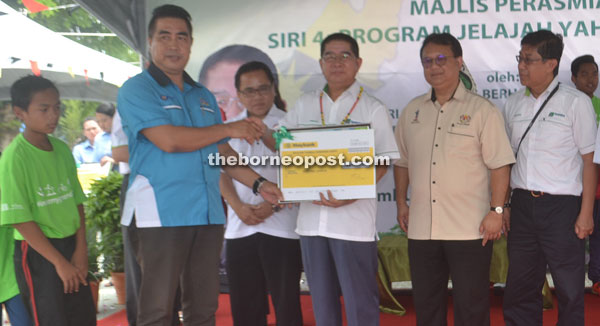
390	34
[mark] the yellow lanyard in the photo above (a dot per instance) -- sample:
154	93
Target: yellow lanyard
347	117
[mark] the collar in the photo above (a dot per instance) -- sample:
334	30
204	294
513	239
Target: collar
353	90
547	90
87	144
163	80
459	93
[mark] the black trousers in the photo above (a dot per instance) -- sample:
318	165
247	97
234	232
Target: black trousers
172	257
542	232
259	263
43	290
467	263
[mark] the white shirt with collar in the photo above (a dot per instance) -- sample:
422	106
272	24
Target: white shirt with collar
280	224
118	139
356	221
549	159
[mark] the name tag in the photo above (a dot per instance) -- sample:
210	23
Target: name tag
207	109
172	106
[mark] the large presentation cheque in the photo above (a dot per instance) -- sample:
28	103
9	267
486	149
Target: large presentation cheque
336	158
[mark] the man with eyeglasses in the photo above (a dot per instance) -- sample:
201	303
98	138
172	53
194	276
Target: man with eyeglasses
552	130
338	237
453	149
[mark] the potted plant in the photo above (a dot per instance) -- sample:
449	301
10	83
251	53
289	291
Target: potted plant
103	219
95	277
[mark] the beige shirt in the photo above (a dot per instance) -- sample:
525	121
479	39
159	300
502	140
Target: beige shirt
449	151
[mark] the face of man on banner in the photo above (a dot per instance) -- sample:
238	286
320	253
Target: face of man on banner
339	64
170	45
220	81
440	66
533	69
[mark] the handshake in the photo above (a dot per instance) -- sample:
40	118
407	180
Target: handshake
251	129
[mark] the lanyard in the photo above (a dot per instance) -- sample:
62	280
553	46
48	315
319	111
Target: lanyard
535	117
347	117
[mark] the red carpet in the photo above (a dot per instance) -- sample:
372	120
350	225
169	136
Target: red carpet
592	313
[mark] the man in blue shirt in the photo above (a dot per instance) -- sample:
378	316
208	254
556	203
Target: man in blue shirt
84	152
174	125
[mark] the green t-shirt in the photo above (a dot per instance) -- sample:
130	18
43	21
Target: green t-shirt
9	287
596	104
40	186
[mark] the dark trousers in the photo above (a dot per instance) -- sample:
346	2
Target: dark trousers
340	267
43	290
259	263
170	256
467	263
133	272
594	266
542	232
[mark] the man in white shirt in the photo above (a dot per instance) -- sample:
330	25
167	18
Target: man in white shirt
338	237
553	184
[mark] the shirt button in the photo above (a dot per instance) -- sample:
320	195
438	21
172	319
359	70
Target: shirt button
439	128
433	182
434	200
441	111
433	163
436	145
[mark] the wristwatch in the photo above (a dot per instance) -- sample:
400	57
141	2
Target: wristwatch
497	209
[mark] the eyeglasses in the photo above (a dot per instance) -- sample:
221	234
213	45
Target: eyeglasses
440	60
261	90
332	57
527	60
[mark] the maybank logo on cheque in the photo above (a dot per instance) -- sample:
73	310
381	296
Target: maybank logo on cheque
301	145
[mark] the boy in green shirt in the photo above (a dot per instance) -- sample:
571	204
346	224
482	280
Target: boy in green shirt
42	199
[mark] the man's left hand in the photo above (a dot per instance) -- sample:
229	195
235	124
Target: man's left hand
331	201
490	227
584	226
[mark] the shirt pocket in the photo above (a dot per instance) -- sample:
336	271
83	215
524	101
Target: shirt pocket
555	130
460	140
517	127
176	113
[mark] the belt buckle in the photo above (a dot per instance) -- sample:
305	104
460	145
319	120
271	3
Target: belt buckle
536	194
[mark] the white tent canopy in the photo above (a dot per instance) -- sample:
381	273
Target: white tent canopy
65	62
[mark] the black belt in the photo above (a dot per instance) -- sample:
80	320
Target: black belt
534	193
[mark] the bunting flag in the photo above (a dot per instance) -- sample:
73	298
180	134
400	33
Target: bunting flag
34	6
71	72
34	68
87	80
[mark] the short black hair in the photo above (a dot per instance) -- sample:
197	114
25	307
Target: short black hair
576	64
443	39
549	45
341	37
88	119
170	11
260	66
252	66
106	109
23	90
